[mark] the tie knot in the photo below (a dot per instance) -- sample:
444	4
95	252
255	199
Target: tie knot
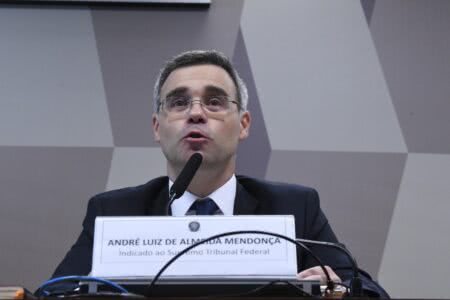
205	206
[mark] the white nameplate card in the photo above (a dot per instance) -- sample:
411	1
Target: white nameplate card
140	246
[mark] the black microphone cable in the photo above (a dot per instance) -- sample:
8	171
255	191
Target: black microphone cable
330	283
356	283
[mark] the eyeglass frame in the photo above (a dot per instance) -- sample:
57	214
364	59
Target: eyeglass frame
199	100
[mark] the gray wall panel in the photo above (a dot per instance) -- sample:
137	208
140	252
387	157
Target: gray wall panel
44	196
50	81
327	80
412	39
134	166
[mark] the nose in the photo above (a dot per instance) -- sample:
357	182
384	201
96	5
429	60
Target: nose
196	112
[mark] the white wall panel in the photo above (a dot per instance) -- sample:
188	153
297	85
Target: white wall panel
416	261
318	78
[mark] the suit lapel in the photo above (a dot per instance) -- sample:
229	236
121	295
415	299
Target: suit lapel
157	196
244	203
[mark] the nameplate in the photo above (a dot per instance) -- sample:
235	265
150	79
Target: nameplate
141	246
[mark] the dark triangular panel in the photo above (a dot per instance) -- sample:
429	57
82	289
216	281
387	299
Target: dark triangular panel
254	152
358	193
133	44
412	42
368	7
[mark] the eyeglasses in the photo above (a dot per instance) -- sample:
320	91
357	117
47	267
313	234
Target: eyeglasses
212	104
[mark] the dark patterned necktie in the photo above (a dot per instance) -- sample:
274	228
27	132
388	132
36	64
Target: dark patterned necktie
205	206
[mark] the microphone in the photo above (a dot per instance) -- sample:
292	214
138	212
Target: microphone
184	179
356	283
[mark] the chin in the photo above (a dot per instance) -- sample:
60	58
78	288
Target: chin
184	157
190	152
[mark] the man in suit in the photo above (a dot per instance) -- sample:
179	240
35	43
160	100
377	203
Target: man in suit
200	106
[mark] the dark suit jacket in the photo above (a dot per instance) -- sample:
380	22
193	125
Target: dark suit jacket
253	197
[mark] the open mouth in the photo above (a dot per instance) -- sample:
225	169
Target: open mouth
195	136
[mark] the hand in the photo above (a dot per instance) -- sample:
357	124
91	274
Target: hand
316	273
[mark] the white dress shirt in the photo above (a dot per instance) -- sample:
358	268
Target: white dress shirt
223	197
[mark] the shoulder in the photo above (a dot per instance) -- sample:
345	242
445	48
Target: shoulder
126	192
128	199
288	199
260	186
283	198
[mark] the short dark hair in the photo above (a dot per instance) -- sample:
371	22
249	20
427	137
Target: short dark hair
200	57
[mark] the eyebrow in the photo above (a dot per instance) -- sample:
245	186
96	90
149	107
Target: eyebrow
212	89
177	91
209	89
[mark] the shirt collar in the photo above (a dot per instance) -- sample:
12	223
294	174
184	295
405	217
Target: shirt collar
223	196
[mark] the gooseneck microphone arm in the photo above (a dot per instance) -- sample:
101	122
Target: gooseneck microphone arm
356	283
184	179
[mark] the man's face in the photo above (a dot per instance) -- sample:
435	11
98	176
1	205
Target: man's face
215	136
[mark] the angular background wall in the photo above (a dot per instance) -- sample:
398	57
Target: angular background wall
349	97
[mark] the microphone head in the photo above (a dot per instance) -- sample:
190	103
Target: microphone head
184	179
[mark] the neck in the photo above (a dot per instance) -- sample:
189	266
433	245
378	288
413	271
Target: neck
207	179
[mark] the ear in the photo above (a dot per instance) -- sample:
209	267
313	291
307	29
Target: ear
246	120
155	124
